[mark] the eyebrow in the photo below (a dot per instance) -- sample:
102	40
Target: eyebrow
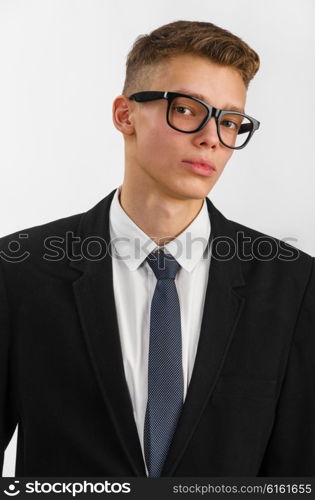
227	107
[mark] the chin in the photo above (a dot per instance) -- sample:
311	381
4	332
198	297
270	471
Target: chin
193	190
189	193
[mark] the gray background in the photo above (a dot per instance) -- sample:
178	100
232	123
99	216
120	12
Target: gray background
62	64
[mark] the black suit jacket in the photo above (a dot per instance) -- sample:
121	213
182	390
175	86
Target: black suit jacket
250	406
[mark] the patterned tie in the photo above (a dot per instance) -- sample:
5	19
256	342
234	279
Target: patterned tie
165	374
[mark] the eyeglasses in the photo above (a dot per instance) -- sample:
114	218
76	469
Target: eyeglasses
189	114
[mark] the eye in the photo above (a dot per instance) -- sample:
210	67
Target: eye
229	124
182	110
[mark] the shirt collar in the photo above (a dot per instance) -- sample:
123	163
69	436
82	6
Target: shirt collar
132	245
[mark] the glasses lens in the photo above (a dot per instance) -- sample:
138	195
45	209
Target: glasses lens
186	114
234	129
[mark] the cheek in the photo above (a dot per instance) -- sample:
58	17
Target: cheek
158	143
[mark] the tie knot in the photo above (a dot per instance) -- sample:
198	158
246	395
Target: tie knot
163	265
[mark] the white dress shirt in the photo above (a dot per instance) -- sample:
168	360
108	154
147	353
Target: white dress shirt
134	283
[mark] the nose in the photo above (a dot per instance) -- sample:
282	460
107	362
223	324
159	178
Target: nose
208	136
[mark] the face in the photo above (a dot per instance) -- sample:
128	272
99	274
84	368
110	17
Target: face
159	155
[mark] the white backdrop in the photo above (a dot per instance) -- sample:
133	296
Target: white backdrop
62	64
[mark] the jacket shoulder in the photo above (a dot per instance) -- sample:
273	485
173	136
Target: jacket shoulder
265	241
58	227
270	261
26	248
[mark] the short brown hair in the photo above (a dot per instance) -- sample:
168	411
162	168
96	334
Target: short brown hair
188	37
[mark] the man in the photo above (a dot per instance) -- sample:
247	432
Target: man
151	335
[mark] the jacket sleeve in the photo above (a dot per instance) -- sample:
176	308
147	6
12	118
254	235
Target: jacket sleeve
291	448
8	418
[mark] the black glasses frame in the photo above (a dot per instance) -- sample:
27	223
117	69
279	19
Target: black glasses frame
216	113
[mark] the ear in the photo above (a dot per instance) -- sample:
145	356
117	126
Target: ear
123	114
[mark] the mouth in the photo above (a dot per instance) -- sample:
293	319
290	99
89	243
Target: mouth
201	167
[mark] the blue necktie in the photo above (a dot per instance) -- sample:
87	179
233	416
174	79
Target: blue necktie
165	373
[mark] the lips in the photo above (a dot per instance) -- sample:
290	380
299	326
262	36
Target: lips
201	163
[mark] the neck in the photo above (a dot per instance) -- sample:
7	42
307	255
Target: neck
156	212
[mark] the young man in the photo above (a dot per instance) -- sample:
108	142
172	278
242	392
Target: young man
151	335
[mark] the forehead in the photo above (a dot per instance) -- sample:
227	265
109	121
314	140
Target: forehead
218	85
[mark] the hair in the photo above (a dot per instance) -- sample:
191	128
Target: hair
187	37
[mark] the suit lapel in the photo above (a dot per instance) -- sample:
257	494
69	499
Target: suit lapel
95	301
222	310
